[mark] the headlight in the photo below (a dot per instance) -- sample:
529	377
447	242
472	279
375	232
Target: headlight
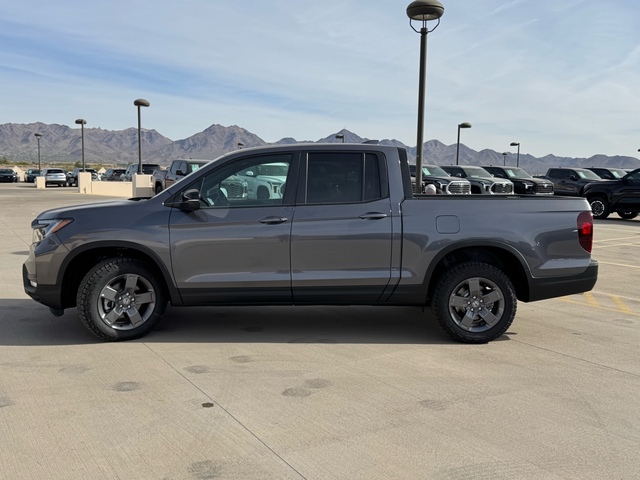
43	228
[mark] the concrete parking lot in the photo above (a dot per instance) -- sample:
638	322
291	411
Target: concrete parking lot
320	393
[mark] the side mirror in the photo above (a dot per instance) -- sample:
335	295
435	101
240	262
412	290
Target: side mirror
573	177
250	173
180	173
189	201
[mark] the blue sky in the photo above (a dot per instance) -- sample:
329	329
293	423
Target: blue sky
558	76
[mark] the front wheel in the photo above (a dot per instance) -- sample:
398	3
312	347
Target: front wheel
474	302
120	299
627	215
599	207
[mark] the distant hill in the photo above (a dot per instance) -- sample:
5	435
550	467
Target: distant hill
62	144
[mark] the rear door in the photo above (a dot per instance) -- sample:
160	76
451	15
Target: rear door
342	230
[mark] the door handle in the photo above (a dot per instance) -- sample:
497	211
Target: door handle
372	216
273	220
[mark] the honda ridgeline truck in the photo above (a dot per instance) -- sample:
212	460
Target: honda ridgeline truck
345	229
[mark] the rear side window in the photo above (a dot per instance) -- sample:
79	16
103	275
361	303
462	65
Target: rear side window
344	177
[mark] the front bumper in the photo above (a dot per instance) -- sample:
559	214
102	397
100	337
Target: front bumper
49	295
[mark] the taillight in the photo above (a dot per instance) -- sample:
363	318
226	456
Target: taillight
585	230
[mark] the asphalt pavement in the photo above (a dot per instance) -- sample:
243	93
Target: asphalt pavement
320	393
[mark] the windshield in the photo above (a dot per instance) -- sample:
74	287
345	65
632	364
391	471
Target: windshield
6	171
516	172
476	172
618	172
273	169
434	171
587	174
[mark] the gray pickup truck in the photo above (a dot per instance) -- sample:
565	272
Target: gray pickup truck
345	229
177	170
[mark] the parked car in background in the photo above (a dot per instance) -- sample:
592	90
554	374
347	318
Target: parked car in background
570	181
444	183
113	174
482	182
265	181
31	174
8	176
54	176
523	182
621	196
608	173
73	176
177	170
147	169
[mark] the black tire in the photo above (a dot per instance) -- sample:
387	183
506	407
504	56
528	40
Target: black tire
120	299
474	302
262	193
158	188
628	215
599	207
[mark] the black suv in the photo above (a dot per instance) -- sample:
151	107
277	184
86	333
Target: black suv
621	196
571	181
608	173
523	182
72	178
147	169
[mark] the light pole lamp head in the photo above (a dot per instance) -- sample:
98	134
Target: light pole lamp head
425	10
81	121
514	144
464	125
141	102
340	136
37	135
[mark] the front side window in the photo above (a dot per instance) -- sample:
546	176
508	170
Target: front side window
253	181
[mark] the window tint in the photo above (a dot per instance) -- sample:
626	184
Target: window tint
250	181
343	178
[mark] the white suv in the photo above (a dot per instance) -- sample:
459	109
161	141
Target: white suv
54	176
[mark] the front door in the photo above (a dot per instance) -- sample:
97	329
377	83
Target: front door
236	247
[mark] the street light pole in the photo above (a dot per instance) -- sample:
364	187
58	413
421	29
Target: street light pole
82	123
514	144
141	102
504	158
38	136
460	125
422	11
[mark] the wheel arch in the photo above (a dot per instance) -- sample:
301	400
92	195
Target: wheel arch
76	266
500	256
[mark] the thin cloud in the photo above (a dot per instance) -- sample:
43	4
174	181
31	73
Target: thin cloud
516	70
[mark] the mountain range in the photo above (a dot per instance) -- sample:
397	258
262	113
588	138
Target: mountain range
62	144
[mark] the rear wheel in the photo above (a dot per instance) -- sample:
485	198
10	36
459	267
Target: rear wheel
120	299
599	207
627	215
474	302
158	188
